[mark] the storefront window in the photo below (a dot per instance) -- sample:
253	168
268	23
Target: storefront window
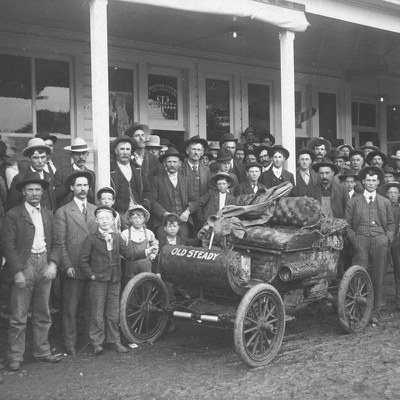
217	108
163	97
363	114
258	101
120	83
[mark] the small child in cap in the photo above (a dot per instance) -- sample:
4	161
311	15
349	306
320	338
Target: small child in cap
106	197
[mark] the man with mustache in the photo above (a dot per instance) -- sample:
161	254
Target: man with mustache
74	222
332	195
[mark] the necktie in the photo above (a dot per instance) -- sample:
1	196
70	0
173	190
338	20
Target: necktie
254	186
84	211
371	200
195	170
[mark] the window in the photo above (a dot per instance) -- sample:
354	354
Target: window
327	116
363	114
48	110
217	108
163	97
393	122
258	104
120	83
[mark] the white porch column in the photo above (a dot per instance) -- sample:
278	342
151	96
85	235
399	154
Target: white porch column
100	111
287	98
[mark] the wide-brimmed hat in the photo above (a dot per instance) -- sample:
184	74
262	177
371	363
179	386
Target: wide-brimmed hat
46	136
172	151
224	155
195	139
378	171
249	129
165	142
35	144
105	208
221	175
306	150
267	136
342	146
257	150
124	139
208	154
319	141
278	149
390	170
239	146
396	155
78	145
348	173
32	177
214	146
357	151
339	154
227	137
76	174
366	146
372	154
154	141
253	164
105	189
331	165
137	127
388	185
140	208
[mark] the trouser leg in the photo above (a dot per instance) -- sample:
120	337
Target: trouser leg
97	295
112	313
395	252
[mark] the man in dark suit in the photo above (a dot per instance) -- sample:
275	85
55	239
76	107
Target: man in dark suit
32	251
53	165
79	154
228	142
252	184
331	194
171	192
74	222
197	174
371	230
349	179
127	180
306	177
276	174
37	152
321	148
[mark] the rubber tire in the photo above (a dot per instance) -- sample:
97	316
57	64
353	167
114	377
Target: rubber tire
158	318
250	304
345	290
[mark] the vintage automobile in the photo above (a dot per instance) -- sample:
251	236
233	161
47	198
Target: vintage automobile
253	285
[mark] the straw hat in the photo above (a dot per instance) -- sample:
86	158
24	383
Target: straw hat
78	145
35	144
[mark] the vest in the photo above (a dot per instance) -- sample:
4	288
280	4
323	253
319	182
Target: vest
194	184
177	205
370	224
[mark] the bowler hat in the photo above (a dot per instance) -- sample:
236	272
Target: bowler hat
305	150
78	145
35	144
221	175
348	173
278	149
172	151
105	208
223	155
331	165
372	154
319	141
139	208
376	171
32	177
227	137
70	179
46	136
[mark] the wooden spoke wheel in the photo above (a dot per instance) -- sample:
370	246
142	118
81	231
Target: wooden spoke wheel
143	308
259	325
355	299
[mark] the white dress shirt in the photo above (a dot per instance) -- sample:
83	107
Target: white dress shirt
126	170
39	241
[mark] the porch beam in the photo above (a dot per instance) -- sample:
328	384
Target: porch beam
287	98
99	75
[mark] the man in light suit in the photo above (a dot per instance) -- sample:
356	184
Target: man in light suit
371	230
74	222
170	192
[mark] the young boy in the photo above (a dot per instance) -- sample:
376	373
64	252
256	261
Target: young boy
106	197
100	262
349	179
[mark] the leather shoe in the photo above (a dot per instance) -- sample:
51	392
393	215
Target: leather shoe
14	365
97	350
119	348
70	351
49	358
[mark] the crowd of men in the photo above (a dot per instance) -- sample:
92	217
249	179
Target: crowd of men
49	211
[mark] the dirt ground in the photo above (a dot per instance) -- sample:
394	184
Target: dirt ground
316	361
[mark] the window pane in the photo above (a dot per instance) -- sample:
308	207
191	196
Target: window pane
367	115
15	94
163	98
258	100
217	108
327	116
52	96
120	82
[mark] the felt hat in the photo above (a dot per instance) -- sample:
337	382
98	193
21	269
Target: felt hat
252	164
372	154
339	154
348	173
78	145
195	139
329	164
221	175
32	177
278	149
319	141
366	146
165	142
105	208
35	144
227	137
388	185
257	150
209	155
105	189
47	136
268	136
249	129
306	150
154	141
214	146
137	127
239	146
390	170
77	174
172	151
138	207
224	155
124	139
376	170
357	151
342	146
